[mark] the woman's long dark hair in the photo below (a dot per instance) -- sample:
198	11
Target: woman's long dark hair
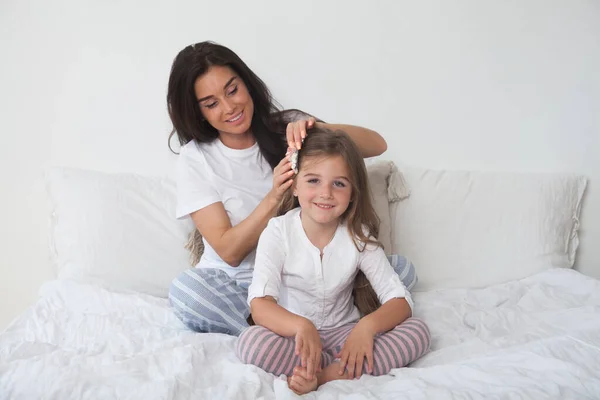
268	122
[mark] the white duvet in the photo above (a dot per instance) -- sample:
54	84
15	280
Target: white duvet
537	338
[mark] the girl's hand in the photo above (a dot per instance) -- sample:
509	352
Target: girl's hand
296	132
308	347
282	179
358	346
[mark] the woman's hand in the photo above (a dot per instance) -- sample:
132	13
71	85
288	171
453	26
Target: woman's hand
358	346
308	347
296	132
282	179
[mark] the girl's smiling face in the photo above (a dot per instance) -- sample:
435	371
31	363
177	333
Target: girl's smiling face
323	189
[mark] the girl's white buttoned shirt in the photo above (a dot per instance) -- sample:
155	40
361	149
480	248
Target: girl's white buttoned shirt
289	268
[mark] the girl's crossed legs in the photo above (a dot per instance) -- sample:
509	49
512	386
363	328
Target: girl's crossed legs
393	349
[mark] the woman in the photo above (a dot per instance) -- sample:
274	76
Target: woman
231	175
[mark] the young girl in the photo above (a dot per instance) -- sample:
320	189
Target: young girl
309	260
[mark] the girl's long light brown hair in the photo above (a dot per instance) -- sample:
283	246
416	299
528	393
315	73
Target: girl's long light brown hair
360	217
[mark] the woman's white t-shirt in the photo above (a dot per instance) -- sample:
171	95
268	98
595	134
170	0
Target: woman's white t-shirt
208	173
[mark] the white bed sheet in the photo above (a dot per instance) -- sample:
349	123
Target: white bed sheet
536	338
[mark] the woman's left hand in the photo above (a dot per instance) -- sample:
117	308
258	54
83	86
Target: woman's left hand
358	346
296	132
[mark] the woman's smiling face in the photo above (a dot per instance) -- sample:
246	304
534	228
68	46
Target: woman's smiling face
224	100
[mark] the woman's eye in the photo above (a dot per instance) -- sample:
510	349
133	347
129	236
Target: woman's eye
339	184
233	91
211	105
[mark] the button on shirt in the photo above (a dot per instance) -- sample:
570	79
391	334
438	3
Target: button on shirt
289	268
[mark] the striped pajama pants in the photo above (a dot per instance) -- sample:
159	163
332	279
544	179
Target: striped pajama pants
275	354
208	300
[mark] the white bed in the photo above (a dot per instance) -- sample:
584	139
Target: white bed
523	325
536	338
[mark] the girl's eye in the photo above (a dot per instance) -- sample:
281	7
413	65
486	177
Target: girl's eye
339	184
233	91
313	180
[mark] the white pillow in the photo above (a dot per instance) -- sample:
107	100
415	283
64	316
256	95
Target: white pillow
116	230
473	229
387	186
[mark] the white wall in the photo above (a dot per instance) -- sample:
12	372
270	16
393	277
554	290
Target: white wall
492	85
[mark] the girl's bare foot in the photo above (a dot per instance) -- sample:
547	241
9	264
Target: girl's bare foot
300	383
331	373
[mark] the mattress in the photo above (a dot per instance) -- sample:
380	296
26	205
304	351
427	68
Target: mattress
535	338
